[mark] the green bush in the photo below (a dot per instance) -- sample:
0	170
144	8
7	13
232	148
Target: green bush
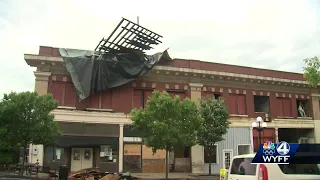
6	158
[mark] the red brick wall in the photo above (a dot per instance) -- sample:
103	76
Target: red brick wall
280	104
119	99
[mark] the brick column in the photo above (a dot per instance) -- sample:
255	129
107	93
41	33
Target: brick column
42	82
197	151
315	98
121	148
41	87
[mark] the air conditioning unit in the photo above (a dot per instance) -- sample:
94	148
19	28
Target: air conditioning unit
303	140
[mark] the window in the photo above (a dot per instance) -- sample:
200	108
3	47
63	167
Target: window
57	91
141	97
146	95
261	104
285	107
243	166
211	154
216	96
237	104
107	154
213	95
182	152
310	169
70	95
243	149
303	108
53	153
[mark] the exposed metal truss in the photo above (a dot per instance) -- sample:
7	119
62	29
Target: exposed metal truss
129	35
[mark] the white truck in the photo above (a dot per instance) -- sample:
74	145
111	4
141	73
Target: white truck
242	169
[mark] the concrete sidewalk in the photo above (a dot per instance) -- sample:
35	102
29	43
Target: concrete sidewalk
15	176
177	176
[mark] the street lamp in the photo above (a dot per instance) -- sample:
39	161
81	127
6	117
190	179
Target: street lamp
259	125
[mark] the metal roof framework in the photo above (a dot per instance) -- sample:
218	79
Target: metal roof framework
129	35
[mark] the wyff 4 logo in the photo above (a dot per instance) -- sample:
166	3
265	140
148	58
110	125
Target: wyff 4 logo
276	154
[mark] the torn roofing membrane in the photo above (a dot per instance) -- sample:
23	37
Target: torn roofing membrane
91	73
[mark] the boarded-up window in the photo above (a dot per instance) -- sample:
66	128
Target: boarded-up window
237	104
285	107
106	99
57	91
268	134
94	101
137	98
70	95
147	94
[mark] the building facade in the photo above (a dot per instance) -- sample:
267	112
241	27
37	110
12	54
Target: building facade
96	131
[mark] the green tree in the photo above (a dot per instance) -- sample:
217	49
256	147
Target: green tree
214	126
311	71
28	120
167	123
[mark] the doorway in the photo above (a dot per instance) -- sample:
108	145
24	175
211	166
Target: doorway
227	155
81	158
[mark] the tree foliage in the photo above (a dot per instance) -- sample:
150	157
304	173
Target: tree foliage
25	118
215	124
166	122
311	71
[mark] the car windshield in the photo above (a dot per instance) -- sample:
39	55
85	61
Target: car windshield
312	169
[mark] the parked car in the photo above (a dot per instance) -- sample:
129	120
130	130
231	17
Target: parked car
242	169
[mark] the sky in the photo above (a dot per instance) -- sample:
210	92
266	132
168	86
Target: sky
269	34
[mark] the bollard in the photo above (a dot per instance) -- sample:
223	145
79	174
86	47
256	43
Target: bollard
63	172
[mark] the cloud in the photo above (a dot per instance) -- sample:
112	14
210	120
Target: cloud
265	34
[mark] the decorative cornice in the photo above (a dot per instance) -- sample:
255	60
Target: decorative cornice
36	60
315	95
42	76
197	85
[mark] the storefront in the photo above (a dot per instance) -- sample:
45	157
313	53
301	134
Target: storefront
85	146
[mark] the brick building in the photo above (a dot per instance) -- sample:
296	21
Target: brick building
96	131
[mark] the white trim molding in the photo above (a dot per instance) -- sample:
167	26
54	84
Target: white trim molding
91	117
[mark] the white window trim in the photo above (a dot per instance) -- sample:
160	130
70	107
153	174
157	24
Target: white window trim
250	149
217	154
224	150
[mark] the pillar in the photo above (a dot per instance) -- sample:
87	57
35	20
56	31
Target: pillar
251	139
276	134
315	98
121	148
41	87
42	82
197	151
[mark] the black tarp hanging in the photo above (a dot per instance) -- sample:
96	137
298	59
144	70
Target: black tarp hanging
117	60
91	73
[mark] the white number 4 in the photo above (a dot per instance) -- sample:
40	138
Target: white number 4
283	148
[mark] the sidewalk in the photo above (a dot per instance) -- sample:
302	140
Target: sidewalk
15	176
176	176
